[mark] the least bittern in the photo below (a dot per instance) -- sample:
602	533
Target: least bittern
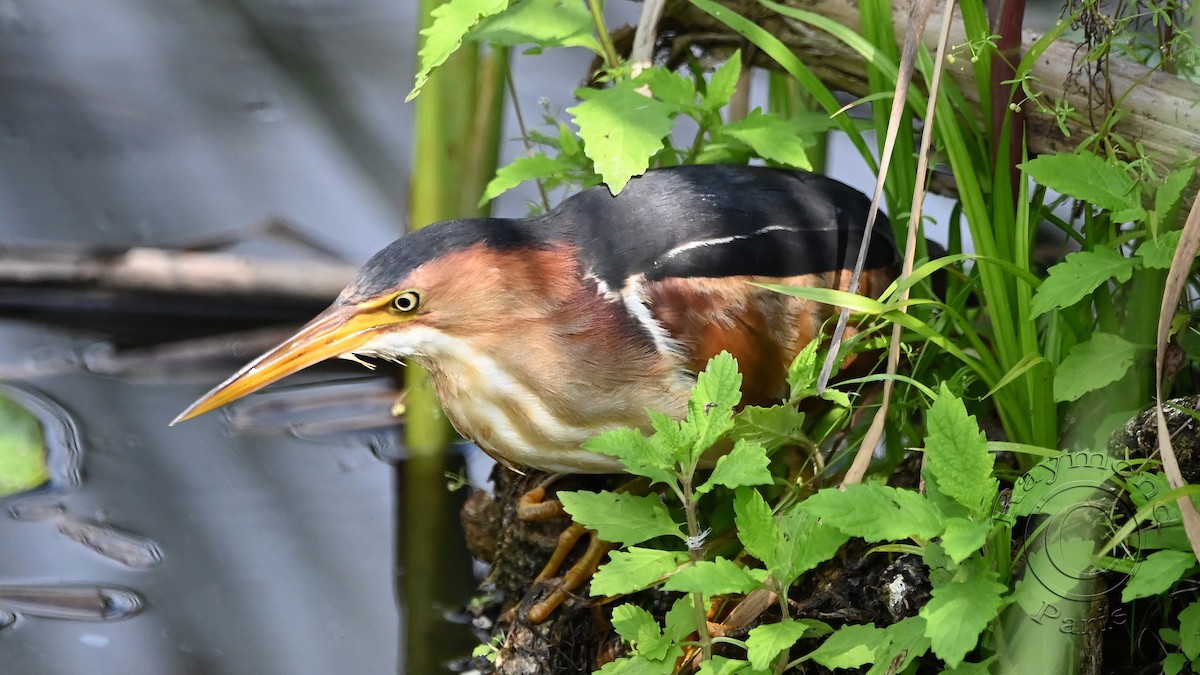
542	332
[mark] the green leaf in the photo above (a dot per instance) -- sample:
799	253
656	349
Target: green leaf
22	449
959	611
963	537
906	642
967	668
545	23
621	518
876	512
1157	573
773	427
715	577
522	169
670	87
635	569
756	526
639	665
1089	178
710	409
632	623
640	455
723	84
1077	276
1167	195
1189	630
681	619
789	547
746	464
1158	253
956	454
451	23
771	137
1090	365
850	647
719	665
807	542
621	130
805	370
766	642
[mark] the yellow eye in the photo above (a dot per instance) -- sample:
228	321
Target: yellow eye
406	301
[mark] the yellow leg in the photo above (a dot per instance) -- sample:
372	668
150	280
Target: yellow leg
576	576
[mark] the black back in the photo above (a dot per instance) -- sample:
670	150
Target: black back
758	220
688	221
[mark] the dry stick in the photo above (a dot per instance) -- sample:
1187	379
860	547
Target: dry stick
642	54
908	59
863	459
168	271
1176	281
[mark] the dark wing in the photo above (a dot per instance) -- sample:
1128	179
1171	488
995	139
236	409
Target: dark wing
722	220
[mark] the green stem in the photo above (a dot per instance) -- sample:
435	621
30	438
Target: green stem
610	50
693	525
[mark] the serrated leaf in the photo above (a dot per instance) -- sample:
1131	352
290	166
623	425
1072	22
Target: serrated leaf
745	465
806	543
967	668
850	646
670	87
1078	275
681	619
1090	365
905	643
632	622
956	454
1189	630
640	455
723	84
766	642
451	23
958	612
1158	253
635	569
773	427
756	527
620	518
771	137
621	130
876	512
545	23
1157	573
710	409
804	371
522	169
963	537
719	665
639	665
1085	176
712	577
1167	195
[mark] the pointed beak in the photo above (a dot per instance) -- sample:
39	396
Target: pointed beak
336	331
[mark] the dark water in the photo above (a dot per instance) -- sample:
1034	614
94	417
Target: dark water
199	549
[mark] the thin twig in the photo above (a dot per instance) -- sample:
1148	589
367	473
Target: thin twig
646	35
874	434
908	60
1176	280
611	59
529	149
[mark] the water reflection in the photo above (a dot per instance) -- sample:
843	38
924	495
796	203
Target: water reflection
124	547
72	602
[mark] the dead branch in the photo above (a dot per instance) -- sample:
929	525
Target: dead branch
1161	112
152	270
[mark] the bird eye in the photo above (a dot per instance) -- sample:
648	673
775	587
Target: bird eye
407	301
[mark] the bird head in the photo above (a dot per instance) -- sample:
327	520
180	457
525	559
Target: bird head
426	296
